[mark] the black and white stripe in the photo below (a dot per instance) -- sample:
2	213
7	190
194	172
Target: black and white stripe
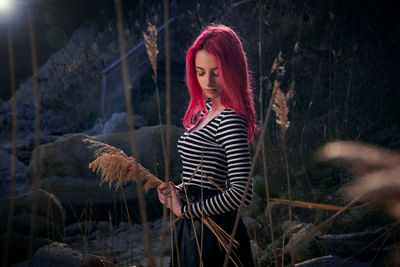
218	152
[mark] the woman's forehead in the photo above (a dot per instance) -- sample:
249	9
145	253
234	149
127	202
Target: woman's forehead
205	59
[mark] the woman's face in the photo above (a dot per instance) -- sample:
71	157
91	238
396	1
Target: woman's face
208	75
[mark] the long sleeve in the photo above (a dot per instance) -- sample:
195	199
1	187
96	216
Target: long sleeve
231	135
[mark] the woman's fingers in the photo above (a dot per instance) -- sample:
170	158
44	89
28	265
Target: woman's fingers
176	202
164	194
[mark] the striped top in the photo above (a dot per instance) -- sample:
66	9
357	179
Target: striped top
217	155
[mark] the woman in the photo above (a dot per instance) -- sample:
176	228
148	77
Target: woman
220	122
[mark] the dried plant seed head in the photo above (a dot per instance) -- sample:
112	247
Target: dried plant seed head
296	47
280	58
274	65
290	93
150	41
116	168
281	110
280	71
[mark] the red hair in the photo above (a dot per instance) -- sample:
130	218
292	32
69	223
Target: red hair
223	43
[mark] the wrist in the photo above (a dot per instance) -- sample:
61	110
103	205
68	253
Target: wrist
178	211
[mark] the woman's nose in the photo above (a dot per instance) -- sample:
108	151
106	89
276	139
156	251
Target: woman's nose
210	79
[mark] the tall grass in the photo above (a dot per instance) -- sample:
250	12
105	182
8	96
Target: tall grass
36	172
125	79
14	145
261	112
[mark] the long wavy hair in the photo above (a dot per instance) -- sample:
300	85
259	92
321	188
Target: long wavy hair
223	43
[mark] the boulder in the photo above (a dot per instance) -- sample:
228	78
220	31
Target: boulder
25	144
49	224
68	156
19	246
80	228
333	261
61	255
305	250
64	172
364	245
50	215
118	123
5	174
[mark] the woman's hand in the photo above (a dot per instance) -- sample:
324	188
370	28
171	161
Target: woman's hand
169	198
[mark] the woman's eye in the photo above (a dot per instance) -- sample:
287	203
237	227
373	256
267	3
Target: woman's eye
216	74
200	73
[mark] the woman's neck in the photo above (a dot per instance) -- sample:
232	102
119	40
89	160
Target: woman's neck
216	104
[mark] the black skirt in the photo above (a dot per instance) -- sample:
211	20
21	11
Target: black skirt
185	251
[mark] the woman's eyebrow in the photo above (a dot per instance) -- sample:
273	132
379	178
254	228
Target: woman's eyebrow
200	68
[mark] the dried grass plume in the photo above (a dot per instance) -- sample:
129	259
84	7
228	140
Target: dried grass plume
377	171
150	41
281	110
117	168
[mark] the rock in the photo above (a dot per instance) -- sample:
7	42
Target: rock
304	250
95	130
256	206
359	220
61	255
118	123
103	226
126	245
5	174
25	144
364	244
49	219
65	173
255	250
332	261
69	157
288	226
80	228
18	246
266	256
124	225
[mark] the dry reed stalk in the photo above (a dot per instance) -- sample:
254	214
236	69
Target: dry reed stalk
167	93
130	120
36	176
150	42
10	218
264	157
281	109
152	52
303	204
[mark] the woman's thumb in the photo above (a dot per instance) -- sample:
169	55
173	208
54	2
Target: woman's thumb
172	187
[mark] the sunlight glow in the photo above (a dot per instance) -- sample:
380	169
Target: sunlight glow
6	5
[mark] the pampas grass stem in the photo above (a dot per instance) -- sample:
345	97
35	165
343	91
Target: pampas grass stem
130	120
